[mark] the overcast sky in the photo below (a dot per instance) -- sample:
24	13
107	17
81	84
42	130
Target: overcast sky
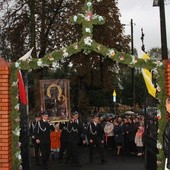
144	16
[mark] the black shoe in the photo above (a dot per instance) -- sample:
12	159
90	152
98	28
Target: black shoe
45	166
61	162
37	164
78	165
52	156
103	162
67	161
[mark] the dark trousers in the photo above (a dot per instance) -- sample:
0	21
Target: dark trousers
126	144
140	149
45	153
36	152
100	147
74	149
132	146
64	144
110	142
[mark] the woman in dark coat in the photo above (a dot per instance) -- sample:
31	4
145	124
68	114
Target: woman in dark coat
118	132
131	136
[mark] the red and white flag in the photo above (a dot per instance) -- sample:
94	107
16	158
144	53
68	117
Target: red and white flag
21	88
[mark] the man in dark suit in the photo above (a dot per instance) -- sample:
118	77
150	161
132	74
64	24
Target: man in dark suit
76	137
42	137
36	146
63	139
95	136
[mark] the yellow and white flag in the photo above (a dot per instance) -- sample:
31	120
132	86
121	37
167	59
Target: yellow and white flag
148	78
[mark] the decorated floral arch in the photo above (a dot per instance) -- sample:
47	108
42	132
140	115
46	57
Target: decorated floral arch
86	44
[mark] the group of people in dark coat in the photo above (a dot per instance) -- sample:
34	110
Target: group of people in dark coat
73	135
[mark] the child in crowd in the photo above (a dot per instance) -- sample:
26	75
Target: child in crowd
55	142
138	139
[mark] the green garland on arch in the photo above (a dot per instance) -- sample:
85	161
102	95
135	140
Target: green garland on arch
86	45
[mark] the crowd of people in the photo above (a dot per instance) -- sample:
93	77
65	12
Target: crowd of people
62	141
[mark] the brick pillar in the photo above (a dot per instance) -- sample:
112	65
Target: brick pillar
167	77
5	119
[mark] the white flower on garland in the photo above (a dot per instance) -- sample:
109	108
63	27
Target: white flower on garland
100	18
121	58
87	18
159	115
99	47
65	53
88	30
159	145
154	71
45	65
17	107
17	120
18	155
16	131
75	18
14	83
50	58
17	97
111	53
88	41
54	64
95	16
39	62
158	63
19	144
86	52
81	15
89	4
158	88
75	46
133	60
17	64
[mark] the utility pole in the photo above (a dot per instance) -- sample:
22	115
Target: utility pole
133	69
164	48
142	39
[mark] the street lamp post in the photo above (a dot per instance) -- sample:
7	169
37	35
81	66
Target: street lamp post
133	69
164	48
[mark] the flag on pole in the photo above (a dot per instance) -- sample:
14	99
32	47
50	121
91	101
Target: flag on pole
148	78
27	55
21	88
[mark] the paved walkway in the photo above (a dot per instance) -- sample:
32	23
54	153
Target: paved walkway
122	162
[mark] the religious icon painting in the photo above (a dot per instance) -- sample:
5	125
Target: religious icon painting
55	98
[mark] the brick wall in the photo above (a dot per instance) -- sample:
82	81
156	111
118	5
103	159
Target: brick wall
5	119
167	77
